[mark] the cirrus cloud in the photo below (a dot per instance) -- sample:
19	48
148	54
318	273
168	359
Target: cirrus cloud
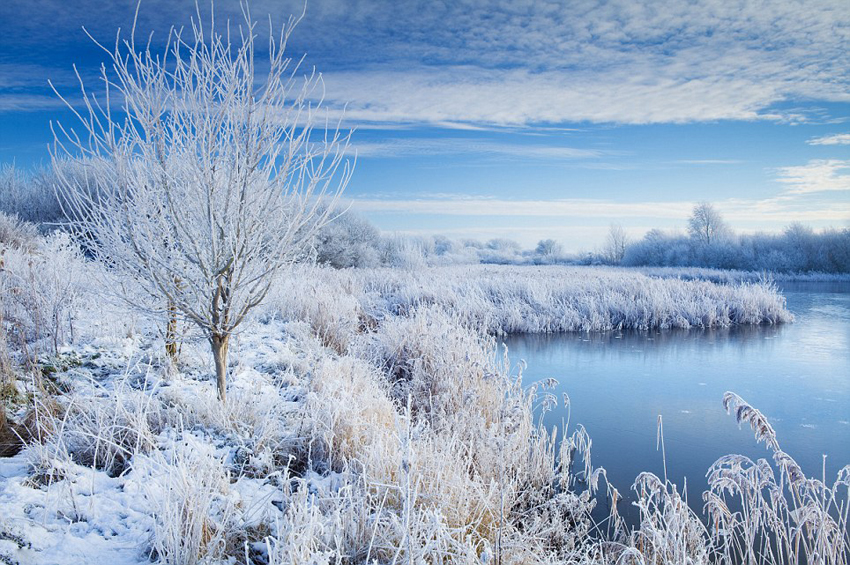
501	62
819	175
836	139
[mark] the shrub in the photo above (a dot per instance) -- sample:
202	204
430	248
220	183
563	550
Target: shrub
348	241
31	195
41	290
16	234
188	493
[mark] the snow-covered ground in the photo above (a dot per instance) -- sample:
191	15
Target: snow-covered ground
370	418
130	442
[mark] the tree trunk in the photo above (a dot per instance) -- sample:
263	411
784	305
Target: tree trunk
219	348
171	333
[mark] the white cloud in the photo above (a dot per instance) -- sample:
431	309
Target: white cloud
837	139
447	146
477	62
780	211
15	102
710	161
624	62
516	97
775	210
476	206
819	175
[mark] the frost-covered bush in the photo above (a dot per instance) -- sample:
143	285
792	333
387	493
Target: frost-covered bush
501	252
657	249
723	253
404	252
350	410
28	195
16	234
188	491
324	299
440	365
548	252
348	241
32	196
452	252
103	431
352	241
804	250
41	289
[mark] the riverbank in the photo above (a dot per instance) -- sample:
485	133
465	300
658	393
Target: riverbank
725	276
371	416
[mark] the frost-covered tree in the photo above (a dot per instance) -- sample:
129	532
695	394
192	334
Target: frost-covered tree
548	251
658	248
348	241
615	245
706	225
501	251
212	176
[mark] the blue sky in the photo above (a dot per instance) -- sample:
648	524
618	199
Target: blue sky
527	119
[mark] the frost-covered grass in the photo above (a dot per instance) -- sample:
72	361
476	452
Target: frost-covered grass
316	457
507	299
371	418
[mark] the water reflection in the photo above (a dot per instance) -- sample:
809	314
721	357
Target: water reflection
647	343
797	374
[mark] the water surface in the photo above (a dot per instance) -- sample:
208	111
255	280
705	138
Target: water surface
797	374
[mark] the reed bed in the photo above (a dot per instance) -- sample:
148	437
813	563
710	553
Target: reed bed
507	299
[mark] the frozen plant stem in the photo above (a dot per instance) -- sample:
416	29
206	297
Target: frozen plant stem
659	442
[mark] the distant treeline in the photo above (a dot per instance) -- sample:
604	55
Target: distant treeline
711	243
796	250
348	241
352	241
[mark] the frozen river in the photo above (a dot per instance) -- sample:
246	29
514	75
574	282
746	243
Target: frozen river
797	374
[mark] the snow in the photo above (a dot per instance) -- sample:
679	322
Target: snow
370	415
86	516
